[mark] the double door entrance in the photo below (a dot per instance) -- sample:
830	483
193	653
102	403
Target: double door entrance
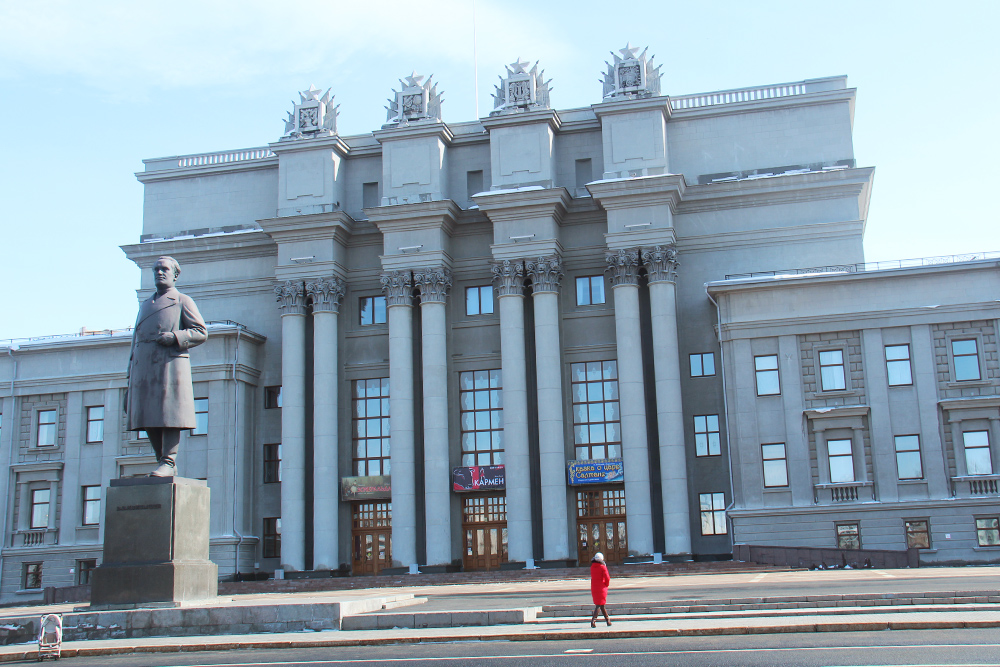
600	522
371	537
484	527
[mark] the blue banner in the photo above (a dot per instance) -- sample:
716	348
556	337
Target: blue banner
602	471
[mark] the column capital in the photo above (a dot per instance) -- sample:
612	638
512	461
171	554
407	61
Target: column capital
326	294
434	284
398	288
661	263
291	297
545	273
623	267
508	277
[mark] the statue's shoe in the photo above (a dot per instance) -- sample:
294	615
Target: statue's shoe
163	470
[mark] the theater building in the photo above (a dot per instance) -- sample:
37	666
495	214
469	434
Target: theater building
496	343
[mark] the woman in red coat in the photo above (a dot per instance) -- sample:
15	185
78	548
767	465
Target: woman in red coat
599	580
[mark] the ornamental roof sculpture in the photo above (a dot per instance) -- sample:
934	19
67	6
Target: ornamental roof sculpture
521	90
416	100
313	116
631	75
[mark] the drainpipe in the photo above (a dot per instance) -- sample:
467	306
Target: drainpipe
725	409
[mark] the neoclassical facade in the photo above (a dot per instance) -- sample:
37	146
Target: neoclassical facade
490	343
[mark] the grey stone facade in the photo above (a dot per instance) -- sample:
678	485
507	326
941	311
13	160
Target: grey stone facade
592	233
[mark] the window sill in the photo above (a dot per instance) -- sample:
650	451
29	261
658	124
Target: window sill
979	547
836	393
959	384
30	591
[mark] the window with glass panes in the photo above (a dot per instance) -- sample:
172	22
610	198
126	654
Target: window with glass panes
596	417
706	435
775	464
713	513
479	300
200	417
84	568
918	534
40	499
841	460
702	364
46	428
766	372
271	538
372	310
988	531
848	536
31	575
589	290
95	423
908	464
897	365
977	453
272	463
91	505
370	432
480	396
965	354
831	370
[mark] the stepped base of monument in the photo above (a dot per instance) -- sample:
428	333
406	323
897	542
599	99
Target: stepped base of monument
126	586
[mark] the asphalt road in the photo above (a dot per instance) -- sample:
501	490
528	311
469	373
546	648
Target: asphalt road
951	648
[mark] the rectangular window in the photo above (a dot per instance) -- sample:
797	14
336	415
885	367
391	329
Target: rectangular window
766	369
988	532
271	538
479	300
831	370
848	536
908	465
702	364
918	534
713	513
897	365
84	568
91	505
200	416
706	435
480	400
40	501
775	465
965	354
473	183
31	576
372	310
596	420
977	453
46	428
95	423
841	461
584	173
370	434
272	397
272	464
589	290
369	195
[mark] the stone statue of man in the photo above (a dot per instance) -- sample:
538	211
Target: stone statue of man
160	399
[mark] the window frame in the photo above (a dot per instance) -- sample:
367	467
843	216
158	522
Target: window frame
88	503
376	311
54	424
994	529
975	355
701	358
270	537
590	281
492	392
36	505
90	422
766	372
839	457
908	453
706	438
272	397
834	375
846	534
29	570
784	464
715	514
201	422
479	290
84	570
985	447
271	463
907	532
384	460
584	429
898	363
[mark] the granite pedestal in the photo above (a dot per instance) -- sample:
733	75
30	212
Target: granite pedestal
155	544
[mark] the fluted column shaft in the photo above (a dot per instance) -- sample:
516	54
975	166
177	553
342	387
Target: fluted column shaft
326	296
398	287
291	297
434	286
661	267
623	268
546	272
508	278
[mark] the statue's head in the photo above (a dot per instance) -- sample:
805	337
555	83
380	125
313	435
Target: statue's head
165	272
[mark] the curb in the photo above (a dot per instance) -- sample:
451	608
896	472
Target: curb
30	654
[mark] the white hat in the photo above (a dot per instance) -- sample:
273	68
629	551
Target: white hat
599	557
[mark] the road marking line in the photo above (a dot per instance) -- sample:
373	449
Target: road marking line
579	650
759	577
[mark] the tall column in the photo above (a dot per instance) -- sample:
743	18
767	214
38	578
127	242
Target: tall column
398	287
326	294
292	301
546	272
434	285
661	268
624	269
509	280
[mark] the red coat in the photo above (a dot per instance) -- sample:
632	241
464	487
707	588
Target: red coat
599	580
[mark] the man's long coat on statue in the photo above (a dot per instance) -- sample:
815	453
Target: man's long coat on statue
159	377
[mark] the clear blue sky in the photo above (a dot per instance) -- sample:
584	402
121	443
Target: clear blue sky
89	89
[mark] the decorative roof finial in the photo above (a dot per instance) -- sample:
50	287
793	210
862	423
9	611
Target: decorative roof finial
631	75
416	100
313	116
522	90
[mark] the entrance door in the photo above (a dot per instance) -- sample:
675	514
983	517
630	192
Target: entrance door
371	537
601	525
484	523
